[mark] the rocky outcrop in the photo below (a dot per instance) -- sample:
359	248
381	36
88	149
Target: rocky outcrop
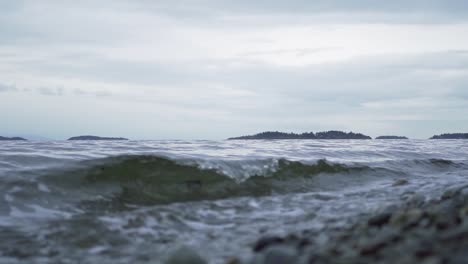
391	137
310	135
96	138
12	138
451	136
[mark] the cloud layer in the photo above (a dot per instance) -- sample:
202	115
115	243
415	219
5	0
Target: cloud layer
214	69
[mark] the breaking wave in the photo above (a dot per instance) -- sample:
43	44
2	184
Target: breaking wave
158	180
122	182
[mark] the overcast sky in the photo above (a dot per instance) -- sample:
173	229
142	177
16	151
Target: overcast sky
211	69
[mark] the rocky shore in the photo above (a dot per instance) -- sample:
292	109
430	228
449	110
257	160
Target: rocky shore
418	231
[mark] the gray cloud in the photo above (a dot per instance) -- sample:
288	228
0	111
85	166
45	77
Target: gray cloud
7	88
54	91
387	77
297	52
10	6
360	77
25	21
396	11
81	92
193	74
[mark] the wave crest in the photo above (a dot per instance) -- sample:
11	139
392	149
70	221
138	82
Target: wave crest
149	180
159	180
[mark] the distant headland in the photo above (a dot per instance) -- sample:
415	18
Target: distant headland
451	136
87	137
309	135
391	137
12	138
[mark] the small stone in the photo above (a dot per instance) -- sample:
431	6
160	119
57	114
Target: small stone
431	260
372	248
280	255
400	182
453	192
424	249
416	200
379	219
304	242
407	219
374	243
265	242
233	260
458	233
185	255
463	212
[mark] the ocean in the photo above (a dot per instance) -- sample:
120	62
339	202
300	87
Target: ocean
138	201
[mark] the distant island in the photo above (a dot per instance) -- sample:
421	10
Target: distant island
451	136
96	138
309	135
391	137
12	138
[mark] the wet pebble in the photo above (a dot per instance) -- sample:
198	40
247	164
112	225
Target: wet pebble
400	182
185	255
379	219
277	255
417	231
265	242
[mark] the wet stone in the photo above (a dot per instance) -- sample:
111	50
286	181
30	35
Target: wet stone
424	249
452	192
431	260
373	244
400	182
233	260
407	219
278	255
417	231
185	255
379	219
265	242
458	233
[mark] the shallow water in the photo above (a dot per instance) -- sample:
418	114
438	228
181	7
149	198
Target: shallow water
135	201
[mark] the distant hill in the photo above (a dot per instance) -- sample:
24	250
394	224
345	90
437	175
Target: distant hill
391	137
451	136
96	138
310	135
12	138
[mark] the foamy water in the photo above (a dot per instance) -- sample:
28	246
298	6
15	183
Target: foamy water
135	201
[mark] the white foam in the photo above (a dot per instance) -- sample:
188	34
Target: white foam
97	249
8	198
43	188
37	212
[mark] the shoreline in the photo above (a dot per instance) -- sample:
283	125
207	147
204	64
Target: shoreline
433	231
417	231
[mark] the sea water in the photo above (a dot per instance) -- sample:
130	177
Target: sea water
137	201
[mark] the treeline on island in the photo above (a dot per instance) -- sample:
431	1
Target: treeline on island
333	134
391	137
96	138
451	136
308	135
72	138
11	138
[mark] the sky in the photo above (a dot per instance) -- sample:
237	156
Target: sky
212	69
